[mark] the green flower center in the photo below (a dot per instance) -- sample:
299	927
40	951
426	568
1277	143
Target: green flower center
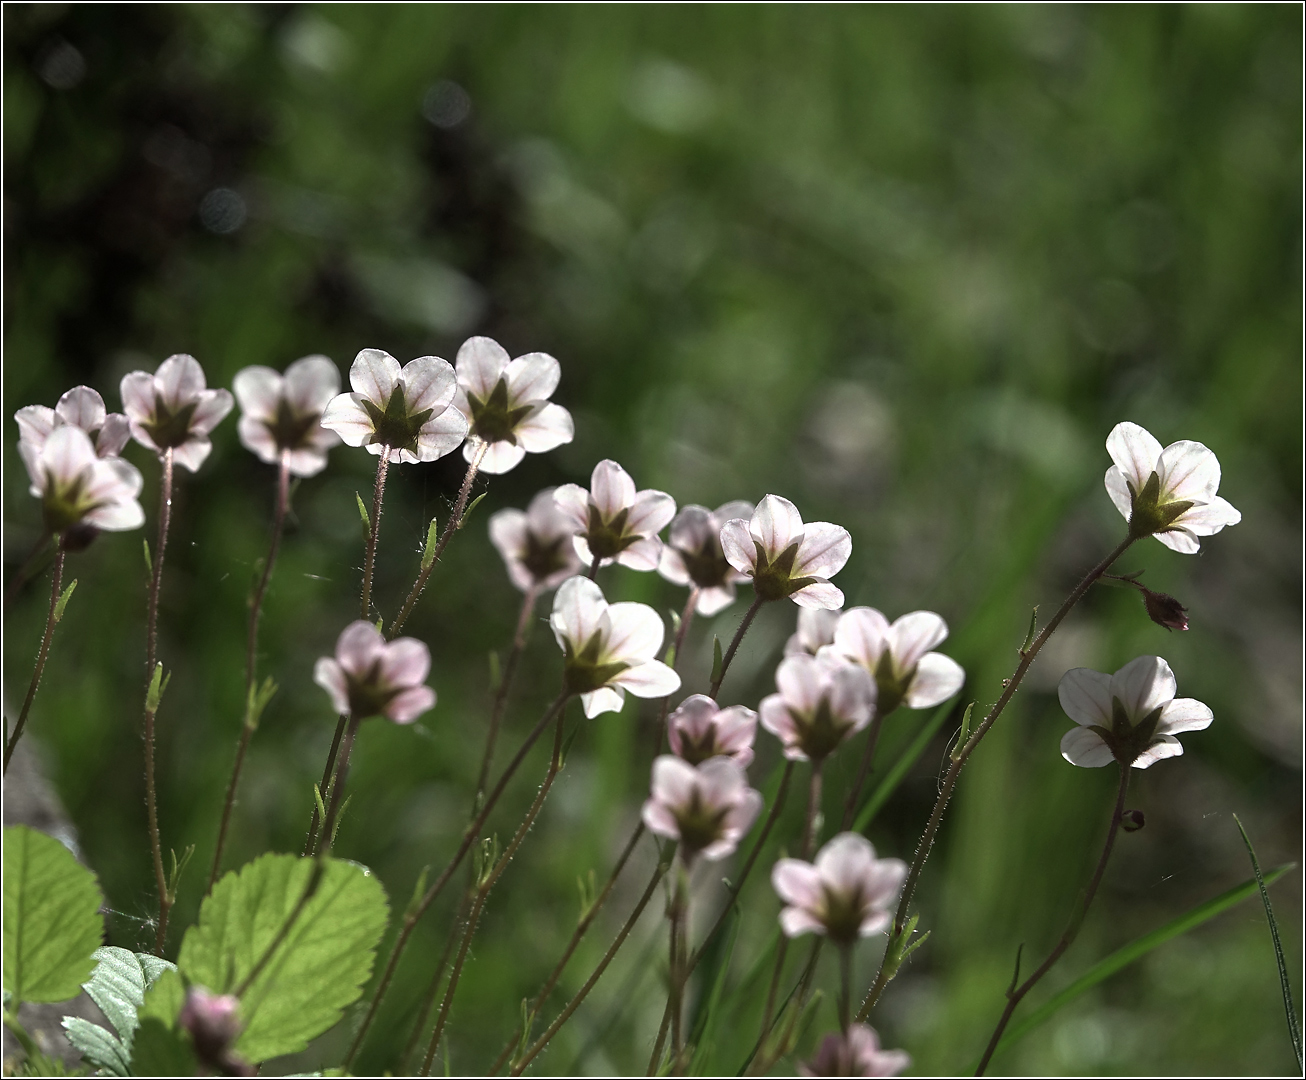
65	505
367	695
707	567
842	915
1149	514
582	671
773	579
492	419
820	734
544	557
608	539
1125	739
395	427
290	429
168	428
699	826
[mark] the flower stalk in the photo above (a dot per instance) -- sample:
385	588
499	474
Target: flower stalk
744	624
374	527
42	654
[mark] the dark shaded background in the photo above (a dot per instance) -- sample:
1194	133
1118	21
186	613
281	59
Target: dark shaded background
905	266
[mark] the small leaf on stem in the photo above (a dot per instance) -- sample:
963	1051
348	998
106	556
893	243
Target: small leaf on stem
1033	626
1015	974
470	507
62	602
716	659
259	696
178	868
960	745
496	673
428	552
362	511
158	684
149	563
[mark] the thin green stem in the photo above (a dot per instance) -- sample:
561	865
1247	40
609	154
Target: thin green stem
326	837
324	789
373	531
42	653
845	988
812	826
864	771
501	691
151	652
438	977
744	624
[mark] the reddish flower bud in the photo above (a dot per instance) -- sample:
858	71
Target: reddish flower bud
1165	610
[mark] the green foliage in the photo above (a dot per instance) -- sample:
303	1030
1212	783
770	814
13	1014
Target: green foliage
118	986
161	1050
319	968
164	998
51	918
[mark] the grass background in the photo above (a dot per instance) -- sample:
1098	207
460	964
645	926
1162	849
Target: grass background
905	266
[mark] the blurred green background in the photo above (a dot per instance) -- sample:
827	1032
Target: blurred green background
905	266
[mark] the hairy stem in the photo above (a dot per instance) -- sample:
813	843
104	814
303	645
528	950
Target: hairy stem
43	652
429	1000
1015	996
324	789
326	838
744	624
151	651
501	691
954	770
373	530
864	771
251	660
454	524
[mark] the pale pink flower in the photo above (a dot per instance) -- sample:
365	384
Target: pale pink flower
857	1054
609	648
699	729
1131	717
1168	493
213	1022
81	407
815	631
172	409
692	554
707	808
372	677
535	545
282	413
898	656
614	521
784	557
406	410
823	700
846	894
506	404
77	487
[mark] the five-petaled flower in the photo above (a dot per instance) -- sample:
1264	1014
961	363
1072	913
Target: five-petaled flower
846	894
81	407
784	557
78	488
535	545
707	808
609	648
699	729
897	656
1131	717
815	631
614	521
1167	493
856	1054
692	554
172	409
372	677
283	413
506	404
823	700
404	411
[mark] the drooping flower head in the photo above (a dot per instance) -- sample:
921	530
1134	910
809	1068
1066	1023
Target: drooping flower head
823	700
406	410
898	658
172	409
815	631
857	1054
692	554
784	557
708	808
81	407
283	413
536	545
609	648
372	677
699	730
1131	717
79	489
1168	493
506	404
213	1022
846	894
614	521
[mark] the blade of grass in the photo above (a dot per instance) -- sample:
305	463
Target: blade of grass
1294	1029
886	787
1126	955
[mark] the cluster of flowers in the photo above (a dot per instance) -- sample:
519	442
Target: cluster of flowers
841	669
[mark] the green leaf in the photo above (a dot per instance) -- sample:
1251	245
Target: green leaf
52	924
318	970
716	660
118	986
149	563
1294	1029
470	507
64	597
158	684
98	1046
428	552
1125	956
886	787
164	998
362	511
163	1051
39	1064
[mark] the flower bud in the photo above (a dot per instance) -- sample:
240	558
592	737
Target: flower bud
1165	610
1132	820
213	1025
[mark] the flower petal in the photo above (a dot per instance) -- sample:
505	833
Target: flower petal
776	523
673	781
611	488
578	609
258	389
651	679
67	453
1189	472
35	422
113	435
212	406
798	883
1085	695
777	719
359	646
1209	518
532	377
714	600
861	634
311	382
405	662
737	544
820	594
660	820
546	429
1180	540
429	383
480	363
650	512
798	678
913	635
179	380
256	438
572	502
192	453
1119	492
795	921
137	391
406	707
82	407
1135	452
642	555
500	457
441	434
1084	747
1165	747
672	567
331	677
308	462
604	699
1184	714
937	678
852	694
346	416
635	633
373	374
1143	684
825	550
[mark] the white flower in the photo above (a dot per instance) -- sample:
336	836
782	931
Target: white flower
699	729
846	894
1131	716
614	521
535	545
171	409
76	486
405	410
1170	493
856	1054
784	557
693	555
284	412
372	677
610	648
823	700
82	407
815	631
707	808
898	656
506	404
